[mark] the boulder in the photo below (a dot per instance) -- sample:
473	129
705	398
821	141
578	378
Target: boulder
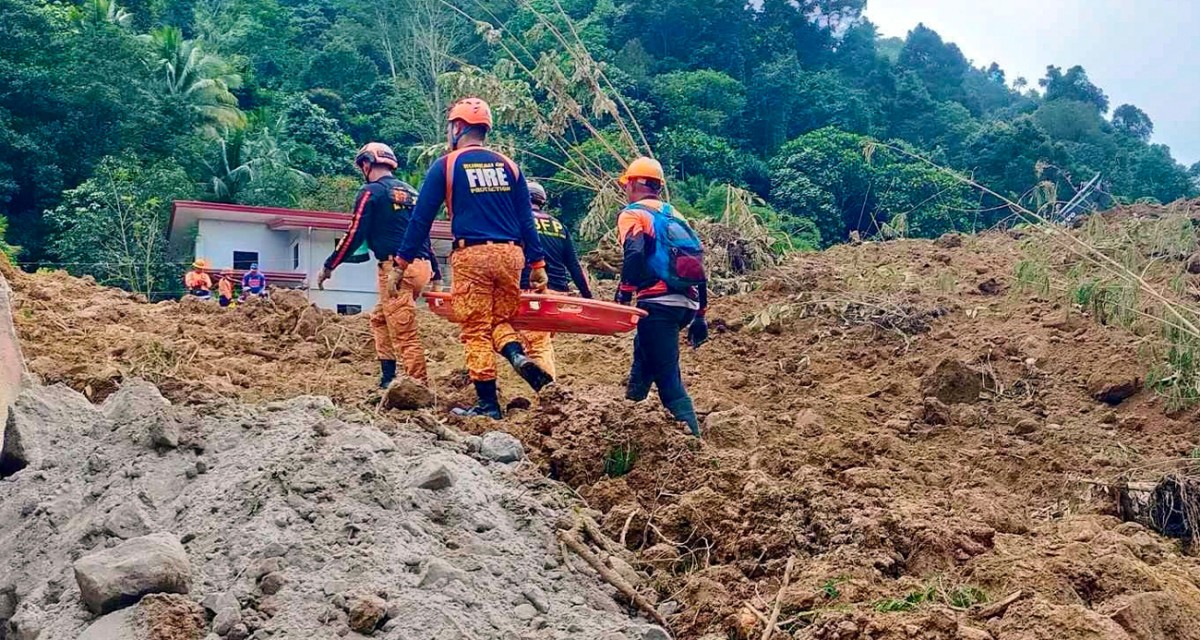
439	572
117	577
38	421
1114	391
407	394
432	475
953	382
498	446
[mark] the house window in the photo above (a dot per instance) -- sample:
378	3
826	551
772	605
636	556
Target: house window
349	309
243	259
296	256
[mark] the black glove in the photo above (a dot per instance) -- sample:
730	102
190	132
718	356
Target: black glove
698	332
624	297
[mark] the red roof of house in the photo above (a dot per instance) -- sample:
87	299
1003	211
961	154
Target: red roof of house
184	212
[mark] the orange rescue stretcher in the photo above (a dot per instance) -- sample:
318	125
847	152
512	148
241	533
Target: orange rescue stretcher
559	313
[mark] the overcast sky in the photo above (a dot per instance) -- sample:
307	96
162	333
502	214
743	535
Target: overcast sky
1142	52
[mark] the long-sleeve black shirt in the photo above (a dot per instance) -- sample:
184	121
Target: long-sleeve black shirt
562	263
381	213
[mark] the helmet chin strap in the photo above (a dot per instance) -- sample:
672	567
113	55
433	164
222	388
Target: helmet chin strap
456	137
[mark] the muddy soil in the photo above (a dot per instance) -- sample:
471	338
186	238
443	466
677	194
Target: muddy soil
921	436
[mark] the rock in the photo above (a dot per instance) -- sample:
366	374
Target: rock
990	287
667	608
39	420
164	433
934	412
1025	427
537	598
1114	391
366	612
272	583
524	612
225	621
439	572
156	617
407	394
118	577
118	625
498	446
141	410
953	382
649	632
432	475
127	521
218	602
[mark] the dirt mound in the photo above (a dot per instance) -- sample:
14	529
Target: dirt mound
925	436
295	518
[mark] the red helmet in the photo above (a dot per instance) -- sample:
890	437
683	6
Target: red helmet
471	111
377	153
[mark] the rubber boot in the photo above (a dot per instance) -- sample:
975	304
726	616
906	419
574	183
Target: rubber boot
685	412
387	373
488	405
530	371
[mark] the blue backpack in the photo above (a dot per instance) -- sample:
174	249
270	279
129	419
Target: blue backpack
678	256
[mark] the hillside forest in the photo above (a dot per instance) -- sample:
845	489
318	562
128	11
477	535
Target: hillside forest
797	111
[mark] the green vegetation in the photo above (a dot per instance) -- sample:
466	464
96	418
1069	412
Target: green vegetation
959	596
619	460
264	101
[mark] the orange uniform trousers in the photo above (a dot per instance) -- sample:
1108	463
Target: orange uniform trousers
394	320
487	296
541	350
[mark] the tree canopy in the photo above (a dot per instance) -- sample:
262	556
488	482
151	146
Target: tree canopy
110	105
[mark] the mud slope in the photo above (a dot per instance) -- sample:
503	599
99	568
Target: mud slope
921	437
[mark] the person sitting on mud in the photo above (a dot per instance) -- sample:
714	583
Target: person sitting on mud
254	283
562	265
381	214
225	288
197	282
663	268
487	201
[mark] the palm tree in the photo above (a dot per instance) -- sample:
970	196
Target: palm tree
94	13
202	80
244	156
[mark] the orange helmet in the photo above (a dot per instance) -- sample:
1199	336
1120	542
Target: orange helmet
200	263
471	111
645	168
377	153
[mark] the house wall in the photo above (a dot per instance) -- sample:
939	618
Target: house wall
216	240
351	284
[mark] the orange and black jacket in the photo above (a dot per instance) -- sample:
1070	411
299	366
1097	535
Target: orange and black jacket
381	213
562	263
225	287
635	232
487	200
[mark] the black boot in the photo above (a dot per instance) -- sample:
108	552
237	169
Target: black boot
529	370
387	373
488	405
